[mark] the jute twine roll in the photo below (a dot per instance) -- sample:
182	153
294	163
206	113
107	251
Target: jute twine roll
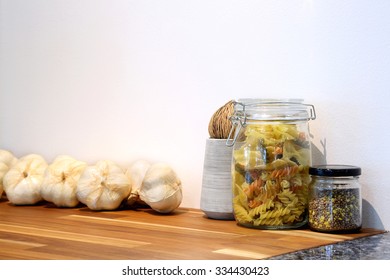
220	124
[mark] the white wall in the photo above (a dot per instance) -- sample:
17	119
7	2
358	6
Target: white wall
123	79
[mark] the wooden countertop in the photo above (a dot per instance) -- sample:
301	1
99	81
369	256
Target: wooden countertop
46	232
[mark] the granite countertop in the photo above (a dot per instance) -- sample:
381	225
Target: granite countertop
376	247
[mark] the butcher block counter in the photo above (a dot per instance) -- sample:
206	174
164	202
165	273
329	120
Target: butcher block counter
47	232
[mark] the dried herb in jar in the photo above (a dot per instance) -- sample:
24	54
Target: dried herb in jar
335	199
335	210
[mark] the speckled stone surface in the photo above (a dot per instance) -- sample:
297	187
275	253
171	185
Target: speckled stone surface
376	247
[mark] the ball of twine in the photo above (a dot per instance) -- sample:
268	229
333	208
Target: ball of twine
220	124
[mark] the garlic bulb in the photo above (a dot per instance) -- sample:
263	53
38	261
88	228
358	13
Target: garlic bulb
7	160
23	181
103	186
136	173
161	188
60	181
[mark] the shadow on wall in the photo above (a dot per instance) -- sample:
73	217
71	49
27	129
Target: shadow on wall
319	155
370	217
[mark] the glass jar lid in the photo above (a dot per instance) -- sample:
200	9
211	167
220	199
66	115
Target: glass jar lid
249	109
335	170
273	109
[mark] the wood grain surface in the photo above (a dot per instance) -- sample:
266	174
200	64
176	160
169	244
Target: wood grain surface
46	232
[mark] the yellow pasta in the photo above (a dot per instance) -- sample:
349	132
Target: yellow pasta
275	213
270	176
240	198
268	222
288	198
262	208
241	214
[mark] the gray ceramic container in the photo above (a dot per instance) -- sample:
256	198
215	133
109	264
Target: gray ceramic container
216	195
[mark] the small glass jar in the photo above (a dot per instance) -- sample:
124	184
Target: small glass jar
271	159
335	202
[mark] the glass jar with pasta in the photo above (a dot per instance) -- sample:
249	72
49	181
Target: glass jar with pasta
271	159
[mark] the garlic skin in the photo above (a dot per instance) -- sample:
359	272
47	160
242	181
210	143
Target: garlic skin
161	188
7	160
103	186
136	173
60	181
23	181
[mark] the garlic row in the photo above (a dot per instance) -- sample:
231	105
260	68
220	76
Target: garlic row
136	173
60	181
161	188
103	186
22	183
7	160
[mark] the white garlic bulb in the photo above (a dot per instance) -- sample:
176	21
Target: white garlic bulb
23	181
60	181
7	160
136	173
103	186
161	188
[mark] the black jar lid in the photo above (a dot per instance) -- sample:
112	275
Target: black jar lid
335	170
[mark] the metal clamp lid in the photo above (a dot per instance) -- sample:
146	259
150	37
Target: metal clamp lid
267	109
235	122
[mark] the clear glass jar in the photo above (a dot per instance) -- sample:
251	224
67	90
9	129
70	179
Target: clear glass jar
271	159
335	202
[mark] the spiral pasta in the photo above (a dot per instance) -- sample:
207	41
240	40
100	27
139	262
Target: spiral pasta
241	213
288	198
285	171
259	210
271	187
